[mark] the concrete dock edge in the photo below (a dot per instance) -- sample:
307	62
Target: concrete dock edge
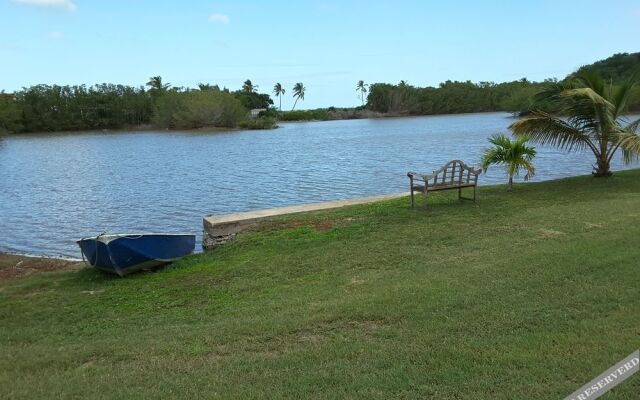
220	229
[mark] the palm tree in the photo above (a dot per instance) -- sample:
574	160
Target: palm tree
298	93
362	88
205	86
249	87
278	90
590	117
514	156
155	83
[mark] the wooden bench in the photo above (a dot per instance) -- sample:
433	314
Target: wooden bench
453	175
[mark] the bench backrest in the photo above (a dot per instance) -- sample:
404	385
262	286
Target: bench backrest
455	172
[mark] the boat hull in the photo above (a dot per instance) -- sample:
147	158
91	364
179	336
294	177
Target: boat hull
124	254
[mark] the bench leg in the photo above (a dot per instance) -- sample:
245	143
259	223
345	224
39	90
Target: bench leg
467	198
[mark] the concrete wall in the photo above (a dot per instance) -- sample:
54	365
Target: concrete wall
220	229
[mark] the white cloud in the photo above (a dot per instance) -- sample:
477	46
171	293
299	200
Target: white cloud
219	18
55	35
67	5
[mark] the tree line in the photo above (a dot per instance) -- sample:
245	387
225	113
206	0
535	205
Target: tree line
47	108
453	97
518	96
44	108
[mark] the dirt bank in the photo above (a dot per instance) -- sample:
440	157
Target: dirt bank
13	266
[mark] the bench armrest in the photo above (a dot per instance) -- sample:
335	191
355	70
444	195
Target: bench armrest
420	177
475	171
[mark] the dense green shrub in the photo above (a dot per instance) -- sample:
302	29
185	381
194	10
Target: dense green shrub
319	114
44	108
197	109
259	123
10	114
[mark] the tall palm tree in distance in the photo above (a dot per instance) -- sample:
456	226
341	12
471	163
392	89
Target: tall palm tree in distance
298	93
362	88
590	116
278	90
514	156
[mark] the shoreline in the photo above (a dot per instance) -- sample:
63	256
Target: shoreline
65	259
19	265
214	129
133	129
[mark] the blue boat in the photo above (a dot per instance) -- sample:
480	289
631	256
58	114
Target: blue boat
123	254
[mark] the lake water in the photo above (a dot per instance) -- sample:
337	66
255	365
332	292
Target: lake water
57	188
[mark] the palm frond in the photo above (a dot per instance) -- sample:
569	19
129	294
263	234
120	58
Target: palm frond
590	79
622	95
633	126
544	128
588	93
629	142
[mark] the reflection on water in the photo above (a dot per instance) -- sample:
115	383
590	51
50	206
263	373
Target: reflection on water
57	188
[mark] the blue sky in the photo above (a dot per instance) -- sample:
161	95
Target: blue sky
327	45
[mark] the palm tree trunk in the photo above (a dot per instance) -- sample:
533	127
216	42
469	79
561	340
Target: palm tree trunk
510	182
603	168
280	102
294	104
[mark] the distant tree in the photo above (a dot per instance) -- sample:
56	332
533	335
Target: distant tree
590	116
278	90
157	88
514	155
298	93
252	100
362	88
155	83
207	86
249	87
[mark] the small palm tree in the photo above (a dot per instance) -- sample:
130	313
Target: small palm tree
362	88
514	156
278	90
298	93
590	116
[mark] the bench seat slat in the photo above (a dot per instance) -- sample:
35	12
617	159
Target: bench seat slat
445	186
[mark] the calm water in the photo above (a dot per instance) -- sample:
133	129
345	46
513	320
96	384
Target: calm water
57	188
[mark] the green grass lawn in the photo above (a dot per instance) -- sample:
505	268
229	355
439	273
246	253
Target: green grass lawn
524	294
